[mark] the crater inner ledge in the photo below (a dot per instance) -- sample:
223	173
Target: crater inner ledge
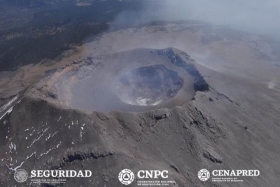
148	86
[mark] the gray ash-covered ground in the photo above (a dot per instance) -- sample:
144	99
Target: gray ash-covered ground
228	117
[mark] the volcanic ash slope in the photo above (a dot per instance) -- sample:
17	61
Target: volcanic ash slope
230	122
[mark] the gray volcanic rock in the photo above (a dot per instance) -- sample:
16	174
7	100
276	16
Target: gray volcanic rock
103	143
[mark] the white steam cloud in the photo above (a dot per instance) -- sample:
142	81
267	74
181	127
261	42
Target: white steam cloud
255	16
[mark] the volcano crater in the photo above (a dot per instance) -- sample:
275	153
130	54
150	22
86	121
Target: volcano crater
130	81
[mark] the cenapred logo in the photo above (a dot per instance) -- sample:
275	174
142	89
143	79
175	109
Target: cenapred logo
20	175
203	174
126	176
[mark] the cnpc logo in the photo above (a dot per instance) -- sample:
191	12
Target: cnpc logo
126	176
152	174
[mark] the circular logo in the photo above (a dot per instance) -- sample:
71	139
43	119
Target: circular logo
203	174
126	176
20	175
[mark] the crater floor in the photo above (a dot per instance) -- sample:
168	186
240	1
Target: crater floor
149	85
